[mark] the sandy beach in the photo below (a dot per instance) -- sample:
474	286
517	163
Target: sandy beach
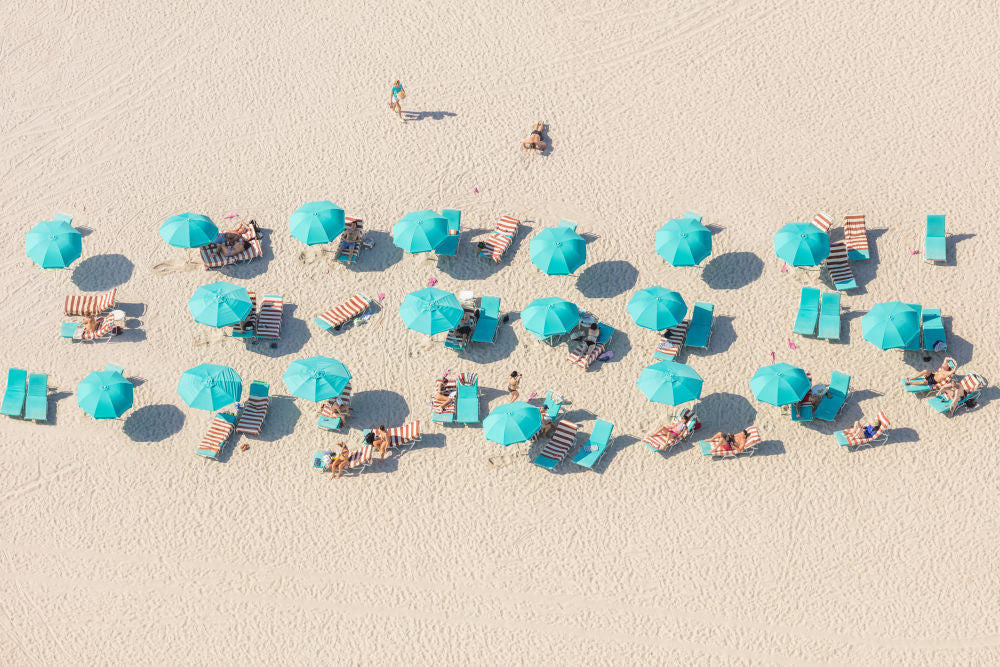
121	546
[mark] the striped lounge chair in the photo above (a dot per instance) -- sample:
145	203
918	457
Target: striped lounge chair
91	303
407	435
105	328
663	439
881	436
213	259
500	238
672	343
218	433
856	236
972	386
348	253
361	458
444	412
269	318
251	418
725	451
250	323
560	442
327	419
839	268
452	341
345	312
603	339
823	222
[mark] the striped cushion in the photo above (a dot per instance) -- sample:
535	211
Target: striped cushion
971	383
252	416
561	440
577	359
345	311
855	236
823	221
672	343
442	407
214	259
218	433
103	329
753	437
507	225
404	434
94	303
883	425
468	308
837	264
362	456
269	317
496	246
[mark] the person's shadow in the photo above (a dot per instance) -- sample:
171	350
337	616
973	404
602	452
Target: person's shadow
432	115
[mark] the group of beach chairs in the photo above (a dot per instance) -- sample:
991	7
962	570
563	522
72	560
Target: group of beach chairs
681	427
970	388
481	315
399	437
110	322
695	332
263	323
853	247
26	395
462	403
249	420
563	436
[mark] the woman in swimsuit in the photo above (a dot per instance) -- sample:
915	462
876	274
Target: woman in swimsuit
512	384
394	97
728	442
340	461
935	378
862	431
90	323
381	442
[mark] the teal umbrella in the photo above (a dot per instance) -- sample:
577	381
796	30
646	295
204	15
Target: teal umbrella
779	384
188	230
892	325
512	422
558	251
684	242
550	316
104	394
220	304
431	310
53	244
801	244
317	222
657	308
419	231
210	386
316	378
669	382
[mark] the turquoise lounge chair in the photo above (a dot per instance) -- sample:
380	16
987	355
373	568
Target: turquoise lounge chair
36	404
15	393
489	320
973	384
933	329
571	226
115	368
552	406
829	316
449	245
467	403
836	396
806	318
802	413
595	446
935	246
690	215
700	330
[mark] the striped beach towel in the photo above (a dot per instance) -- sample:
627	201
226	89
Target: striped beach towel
671	344
361	456
562	438
345	403
856	236
348	310
667	436
252	415
104	327
401	435
500	238
213	258
444	406
218	433
839	267
468	308
269	316
576	356
91	303
883	424
823	222
724	449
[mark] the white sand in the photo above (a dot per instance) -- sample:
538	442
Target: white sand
121	546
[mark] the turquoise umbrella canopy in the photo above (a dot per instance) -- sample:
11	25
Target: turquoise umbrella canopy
801	244
220	304
104	394
892	325
550	316
317	222
558	251
210	386
512	422
657	308
431	310
779	384
53	244
684	242
188	230
419	231
670	382
316	378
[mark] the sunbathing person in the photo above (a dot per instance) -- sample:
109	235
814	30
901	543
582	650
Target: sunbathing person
335	407
381	440
954	392
90	323
934	378
545	429
593	333
231	241
340	461
676	431
350	238
862	431
444	396
723	443
535	138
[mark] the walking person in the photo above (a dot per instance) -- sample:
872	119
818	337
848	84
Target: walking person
395	96
512	386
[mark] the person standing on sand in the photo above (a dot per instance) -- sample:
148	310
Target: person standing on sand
395	96
512	384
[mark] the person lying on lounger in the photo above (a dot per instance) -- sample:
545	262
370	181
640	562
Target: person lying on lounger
90	323
593	333
340	461
444	396
862	431
954	392
231	241
676	431
729	442
934	378
535	138
335	407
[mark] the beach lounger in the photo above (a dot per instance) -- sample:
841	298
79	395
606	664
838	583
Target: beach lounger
91	303
407	435
932	328
552	404
567	224
562	439
972	384
36	402
922	388
802	412
467	401
105	328
829	316
920	316
724	451
327	420
452	341
249	324
596	445
15	393
449	245
603	339
115	368
500	238
672	343
808	315
823	222
359	458
444	412
935	245
839	268
700	329
881	436
489	320
251	418
218	433
856	236
269	318
836	395
337	316
663	438
348	253
213	258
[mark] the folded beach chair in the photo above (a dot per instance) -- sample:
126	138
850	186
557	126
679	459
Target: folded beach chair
724	451
920	311
972	384
562	439
91	303
467	401
881	436
348	253
662	439
449	245
489	320
345	312
444	413
596	445
829	316
856	236
468	301
932	327
36	403
552	404
15	393
935	246
603	338
254	410
218	433
823	221
326	419
836	395
808	315
839	268
672	343
105	328
700	329
500	238
250	322
213	258
269	318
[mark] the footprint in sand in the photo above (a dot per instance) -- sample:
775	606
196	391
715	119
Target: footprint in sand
165	268
310	256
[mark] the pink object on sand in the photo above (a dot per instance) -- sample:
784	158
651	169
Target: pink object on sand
232	215
784	268
913	252
475	190
607	355
792	345
446	373
772	356
381	297
432	281
532	395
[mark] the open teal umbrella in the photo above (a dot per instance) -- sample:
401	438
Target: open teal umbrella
892	325
220	304
801	244
657	308
431	310
317	222
779	384
419	231
684	241
53	244
512	422
104	394
316	378
670	382
188	230
558	251
210	386
550	316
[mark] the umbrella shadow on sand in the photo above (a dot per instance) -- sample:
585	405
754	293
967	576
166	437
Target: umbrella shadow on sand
102	272
378	406
379	257
468	265
153	423
732	270
728	413
606	280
